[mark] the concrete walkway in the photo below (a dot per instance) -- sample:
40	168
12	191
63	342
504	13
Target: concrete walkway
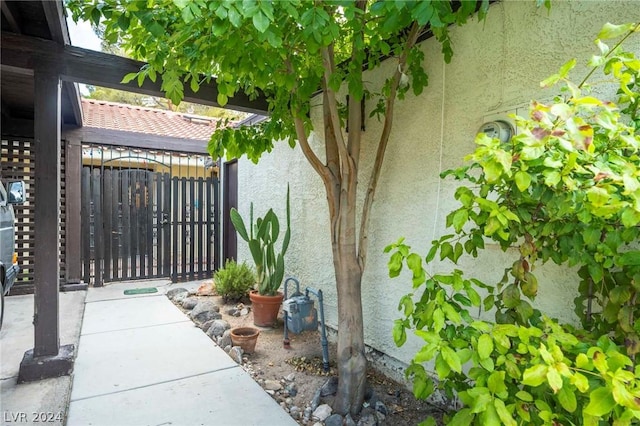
44	401
141	361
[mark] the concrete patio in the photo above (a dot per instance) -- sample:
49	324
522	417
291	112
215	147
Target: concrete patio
140	361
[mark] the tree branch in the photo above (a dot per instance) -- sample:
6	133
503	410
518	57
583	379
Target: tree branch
346	163
311	156
382	145
355	112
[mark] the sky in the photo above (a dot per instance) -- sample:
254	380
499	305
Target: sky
82	35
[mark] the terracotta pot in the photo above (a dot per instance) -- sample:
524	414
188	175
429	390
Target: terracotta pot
245	337
265	308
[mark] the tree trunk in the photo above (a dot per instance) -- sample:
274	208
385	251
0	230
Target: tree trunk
352	363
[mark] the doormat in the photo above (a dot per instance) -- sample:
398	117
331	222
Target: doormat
144	290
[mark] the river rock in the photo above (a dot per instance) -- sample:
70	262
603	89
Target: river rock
190	303
174	291
273	385
330	387
333	420
217	328
322	412
236	354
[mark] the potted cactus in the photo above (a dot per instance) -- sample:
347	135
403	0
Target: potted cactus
262	238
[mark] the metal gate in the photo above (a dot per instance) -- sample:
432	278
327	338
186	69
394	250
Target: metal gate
139	224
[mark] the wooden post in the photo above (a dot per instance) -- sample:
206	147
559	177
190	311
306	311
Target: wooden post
47	358
73	178
47	212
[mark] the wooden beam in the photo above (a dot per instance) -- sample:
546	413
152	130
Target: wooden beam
17	127
12	16
54	13
73	92
135	140
47	212
102	69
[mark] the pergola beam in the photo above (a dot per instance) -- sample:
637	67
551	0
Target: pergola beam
102	69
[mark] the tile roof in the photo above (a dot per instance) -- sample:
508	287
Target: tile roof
130	118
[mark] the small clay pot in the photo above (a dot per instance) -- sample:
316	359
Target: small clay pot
245	337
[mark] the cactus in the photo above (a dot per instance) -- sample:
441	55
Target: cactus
262	238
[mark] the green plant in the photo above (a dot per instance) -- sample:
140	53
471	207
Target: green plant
234	280
291	50
566	189
262	238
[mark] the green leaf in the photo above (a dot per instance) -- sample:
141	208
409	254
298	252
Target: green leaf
511	296
460	219
399	333
463	417
451	314
485	346
568	66
601	402
567	399
523	180
156	29
535	375
495	383
127	78
630	258
525	396
451	358
609	30
261	22
503	413
490	416
222	99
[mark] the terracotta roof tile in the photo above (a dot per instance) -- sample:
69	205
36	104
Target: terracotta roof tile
130	118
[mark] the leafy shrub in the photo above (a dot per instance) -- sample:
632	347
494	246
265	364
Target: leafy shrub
234	281
566	189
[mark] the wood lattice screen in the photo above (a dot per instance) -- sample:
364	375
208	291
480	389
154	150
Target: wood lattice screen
18	163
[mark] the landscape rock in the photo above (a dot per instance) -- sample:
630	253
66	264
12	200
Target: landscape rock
205	325
227	348
190	303
368	417
225	339
348	421
234	312
217	328
290	377
333	420
203	317
294	411
381	408
307	414
179	298
322	412
236	354
273	385
206	289
292	389
203	306
330	387
174	291
244	311
317	424
371	401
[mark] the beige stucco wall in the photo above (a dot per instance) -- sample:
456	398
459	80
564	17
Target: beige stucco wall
497	65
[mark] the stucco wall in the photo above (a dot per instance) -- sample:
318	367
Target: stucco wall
497	65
